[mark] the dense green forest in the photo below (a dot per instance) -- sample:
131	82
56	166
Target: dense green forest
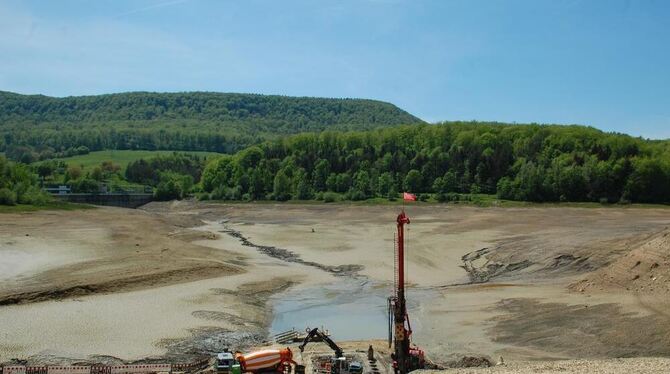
19	184
36	127
517	162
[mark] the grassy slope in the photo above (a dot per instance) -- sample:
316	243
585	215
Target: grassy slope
122	158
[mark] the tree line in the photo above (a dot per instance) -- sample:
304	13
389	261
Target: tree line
445	161
518	162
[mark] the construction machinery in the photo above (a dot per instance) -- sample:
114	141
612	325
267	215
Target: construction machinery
273	360
405	357
338	364
225	363
264	361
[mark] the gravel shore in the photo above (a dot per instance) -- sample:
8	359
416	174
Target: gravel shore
627	365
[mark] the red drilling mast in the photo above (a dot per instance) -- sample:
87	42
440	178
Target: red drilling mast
405	358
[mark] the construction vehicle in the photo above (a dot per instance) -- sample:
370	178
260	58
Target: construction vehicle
264	361
338	364
405	357
225	362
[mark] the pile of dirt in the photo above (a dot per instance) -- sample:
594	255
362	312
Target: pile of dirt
470	362
645	269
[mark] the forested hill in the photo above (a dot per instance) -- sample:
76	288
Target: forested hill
518	162
197	121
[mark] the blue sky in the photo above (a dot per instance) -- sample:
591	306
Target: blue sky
599	63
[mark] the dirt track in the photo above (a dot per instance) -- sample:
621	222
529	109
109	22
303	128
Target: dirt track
185	278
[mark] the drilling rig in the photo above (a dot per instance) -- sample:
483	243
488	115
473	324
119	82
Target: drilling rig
405	357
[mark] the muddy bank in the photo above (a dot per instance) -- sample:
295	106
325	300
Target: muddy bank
131	283
251	322
218	318
59	255
128	286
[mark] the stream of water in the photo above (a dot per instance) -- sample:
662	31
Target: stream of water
350	309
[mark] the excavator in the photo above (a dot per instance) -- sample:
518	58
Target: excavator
339	363
405	357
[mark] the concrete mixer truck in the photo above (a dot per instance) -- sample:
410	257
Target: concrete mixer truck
264	361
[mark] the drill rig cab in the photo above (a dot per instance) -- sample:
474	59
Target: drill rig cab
406	358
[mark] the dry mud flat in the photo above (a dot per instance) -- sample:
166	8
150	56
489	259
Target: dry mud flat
112	282
62	254
179	279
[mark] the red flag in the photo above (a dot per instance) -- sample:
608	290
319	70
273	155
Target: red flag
408	196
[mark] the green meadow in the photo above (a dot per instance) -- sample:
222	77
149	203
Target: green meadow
120	157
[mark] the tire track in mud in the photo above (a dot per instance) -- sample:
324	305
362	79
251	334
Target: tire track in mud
350	270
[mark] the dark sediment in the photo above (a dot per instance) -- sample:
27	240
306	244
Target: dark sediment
350	270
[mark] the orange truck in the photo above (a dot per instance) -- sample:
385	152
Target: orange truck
267	360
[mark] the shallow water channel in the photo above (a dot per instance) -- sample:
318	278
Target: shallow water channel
350	309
